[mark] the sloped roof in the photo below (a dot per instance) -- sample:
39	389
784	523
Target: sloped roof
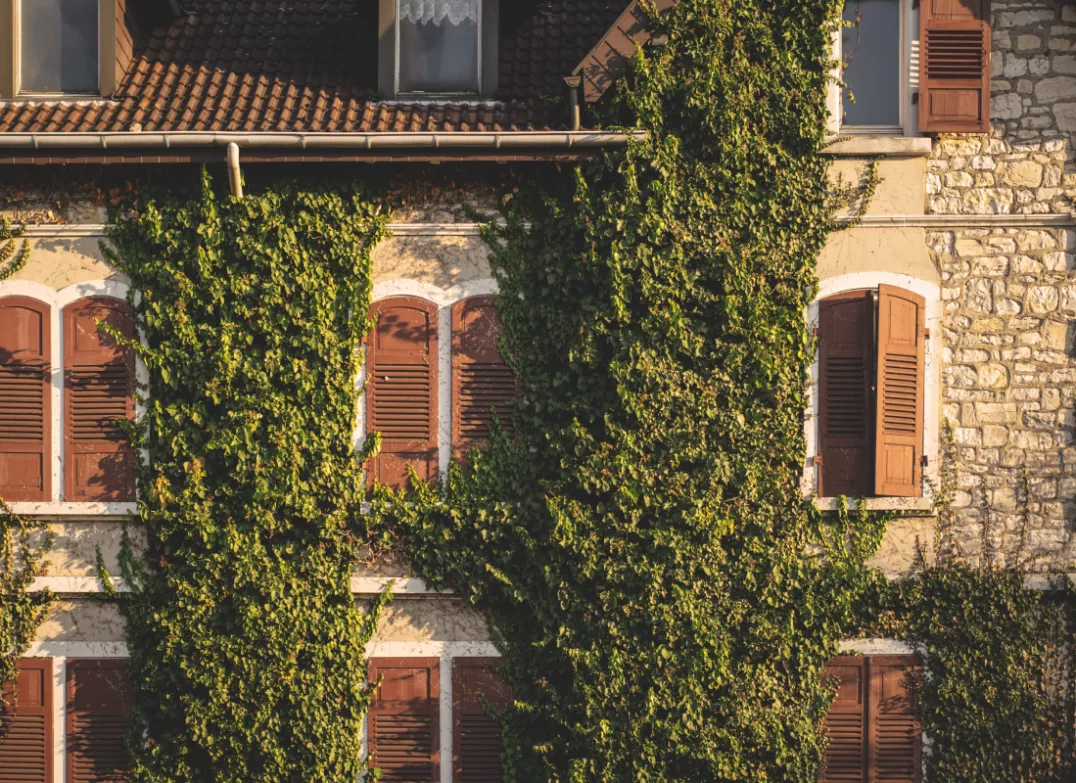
310	66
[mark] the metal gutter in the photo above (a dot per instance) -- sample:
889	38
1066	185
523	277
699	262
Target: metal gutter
313	141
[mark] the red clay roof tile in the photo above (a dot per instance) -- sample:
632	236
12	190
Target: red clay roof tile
310	66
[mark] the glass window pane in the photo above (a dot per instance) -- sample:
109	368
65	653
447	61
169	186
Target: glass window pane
870	53
438	46
59	46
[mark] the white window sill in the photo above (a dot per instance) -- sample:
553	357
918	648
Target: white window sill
879	504
887	146
106	510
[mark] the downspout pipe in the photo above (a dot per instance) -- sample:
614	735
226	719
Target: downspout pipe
574	83
235	176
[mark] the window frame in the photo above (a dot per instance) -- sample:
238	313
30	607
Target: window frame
57	502
880	649
932	389
421	94
16	60
908	70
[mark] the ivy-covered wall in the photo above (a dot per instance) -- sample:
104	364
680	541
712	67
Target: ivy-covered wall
662	597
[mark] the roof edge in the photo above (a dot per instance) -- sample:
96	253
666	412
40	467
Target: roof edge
604	64
306	141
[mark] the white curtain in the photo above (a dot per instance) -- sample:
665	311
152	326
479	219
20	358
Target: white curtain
436	11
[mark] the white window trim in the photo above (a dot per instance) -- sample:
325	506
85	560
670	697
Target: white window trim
445	652
931	293
57	301
432	94
25	95
909	83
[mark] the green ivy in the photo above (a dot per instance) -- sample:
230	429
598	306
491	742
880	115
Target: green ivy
23	553
997	697
13	255
246	644
663	597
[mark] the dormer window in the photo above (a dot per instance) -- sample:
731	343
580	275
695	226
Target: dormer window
58	47
439	47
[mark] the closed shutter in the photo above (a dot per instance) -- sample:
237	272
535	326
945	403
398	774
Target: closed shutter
895	739
483	386
98	706
98	391
476	738
403	725
954	82
25	400
846	722
26	736
900	380
402	392
846	368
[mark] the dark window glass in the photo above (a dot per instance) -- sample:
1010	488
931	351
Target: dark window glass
59	46
439	46
870	55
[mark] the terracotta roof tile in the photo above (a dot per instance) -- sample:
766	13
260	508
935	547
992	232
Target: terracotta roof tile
310	66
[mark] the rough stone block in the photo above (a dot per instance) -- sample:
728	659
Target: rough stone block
1042	299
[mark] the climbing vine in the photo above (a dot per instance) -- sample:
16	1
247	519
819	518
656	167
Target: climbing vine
664	598
998	696
246	644
24	548
13	254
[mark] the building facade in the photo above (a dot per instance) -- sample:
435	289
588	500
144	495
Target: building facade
944	312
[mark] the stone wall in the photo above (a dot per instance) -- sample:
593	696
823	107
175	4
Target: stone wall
1025	164
1009	385
1009	295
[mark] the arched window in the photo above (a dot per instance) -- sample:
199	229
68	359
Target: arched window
871	380
483	386
401	395
25	400
98	392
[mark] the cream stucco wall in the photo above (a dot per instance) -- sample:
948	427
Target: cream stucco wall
82	619
898	249
431	620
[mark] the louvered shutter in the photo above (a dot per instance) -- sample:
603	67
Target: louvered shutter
900	380
846	367
403	725
98	706
954	81
846	722
26	738
476	738
482	384
402	392
98	391
895	746
25	400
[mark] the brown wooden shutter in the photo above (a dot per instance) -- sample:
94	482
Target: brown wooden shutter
476	738
98	706
25	400
98	391
895	746
846	366
900	380
482	383
403	722
846	722
954	81
26	747
401	397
